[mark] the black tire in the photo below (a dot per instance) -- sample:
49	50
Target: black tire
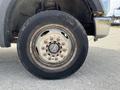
46	18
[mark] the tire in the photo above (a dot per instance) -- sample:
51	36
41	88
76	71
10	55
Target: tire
64	52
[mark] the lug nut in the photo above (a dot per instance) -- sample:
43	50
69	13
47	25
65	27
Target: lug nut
58	39
49	58
63	43
52	58
51	38
45	54
64	50
43	48
49	54
60	51
56	58
45	42
62	56
53	55
47	46
54	42
58	43
49	42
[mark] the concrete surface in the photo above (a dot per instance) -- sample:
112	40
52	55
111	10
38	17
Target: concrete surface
101	70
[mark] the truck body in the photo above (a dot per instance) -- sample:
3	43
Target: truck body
51	35
10	15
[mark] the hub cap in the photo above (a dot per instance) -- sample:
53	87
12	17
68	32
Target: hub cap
54	48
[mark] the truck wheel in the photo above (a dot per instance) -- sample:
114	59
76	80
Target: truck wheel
52	45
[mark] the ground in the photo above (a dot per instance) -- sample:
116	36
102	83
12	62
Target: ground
101	71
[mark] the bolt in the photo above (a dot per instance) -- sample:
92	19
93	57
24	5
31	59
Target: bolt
62	56
56	58
49	42
47	46
45	42
43	48
46	50
63	43
51	38
49	58
52	58
58	43
58	39
49	54
53	55
64	50
60	51
44	54
54	42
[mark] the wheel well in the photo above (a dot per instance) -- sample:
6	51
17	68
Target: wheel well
23	9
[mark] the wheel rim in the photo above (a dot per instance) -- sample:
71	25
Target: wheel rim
52	47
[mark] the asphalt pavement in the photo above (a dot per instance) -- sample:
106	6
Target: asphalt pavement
101	70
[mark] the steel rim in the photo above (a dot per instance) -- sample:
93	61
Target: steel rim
52	47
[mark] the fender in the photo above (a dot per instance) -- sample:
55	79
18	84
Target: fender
6	7
95	5
100	6
3	9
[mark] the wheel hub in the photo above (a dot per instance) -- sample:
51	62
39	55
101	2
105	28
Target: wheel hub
54	48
